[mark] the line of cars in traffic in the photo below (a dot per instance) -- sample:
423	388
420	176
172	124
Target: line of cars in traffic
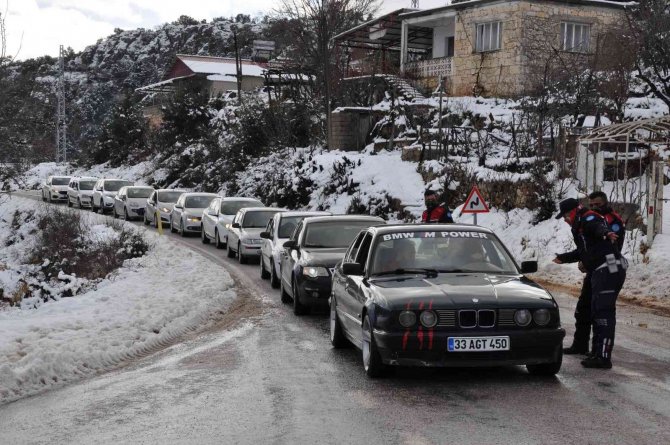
405	294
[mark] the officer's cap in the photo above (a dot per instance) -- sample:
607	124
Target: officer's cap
567	205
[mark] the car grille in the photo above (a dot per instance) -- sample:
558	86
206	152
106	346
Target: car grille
446	319
63	193
506	317
467	319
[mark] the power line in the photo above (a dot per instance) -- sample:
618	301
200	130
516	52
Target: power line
61	121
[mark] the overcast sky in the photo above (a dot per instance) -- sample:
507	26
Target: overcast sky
38	27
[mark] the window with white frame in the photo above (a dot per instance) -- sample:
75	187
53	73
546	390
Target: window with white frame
575	37
489	36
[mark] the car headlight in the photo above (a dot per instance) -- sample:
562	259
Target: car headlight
407	319
228	226
165	210
253	241
522	317
428	318
541	317
193	219
314	272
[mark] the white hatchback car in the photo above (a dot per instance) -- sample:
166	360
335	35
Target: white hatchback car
79	192
186	215
159	206
218	217
104	192
131	201
55	188
244	236
277	232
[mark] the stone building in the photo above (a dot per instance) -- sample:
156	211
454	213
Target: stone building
480	47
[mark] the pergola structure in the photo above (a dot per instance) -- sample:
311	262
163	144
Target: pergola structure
651	134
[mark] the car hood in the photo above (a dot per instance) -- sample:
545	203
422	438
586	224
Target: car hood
86	192
194	212
251	232
138	201
165	205
460	290
106	193
322	257
60	188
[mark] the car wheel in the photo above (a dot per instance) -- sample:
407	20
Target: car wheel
274	279
298	307
156	216
114	215
285	297
145	219
241	258
125	214
547	369
264	273
69	202
337	338
79	203
50	200
181	230
230	253
372	360
44	198
172	229
205	240
217	241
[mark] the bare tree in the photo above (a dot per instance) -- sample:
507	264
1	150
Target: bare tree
314	23
649	23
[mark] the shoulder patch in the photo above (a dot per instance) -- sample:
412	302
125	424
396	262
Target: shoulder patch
590	218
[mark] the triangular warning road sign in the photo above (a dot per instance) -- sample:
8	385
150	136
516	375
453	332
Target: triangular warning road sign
475	202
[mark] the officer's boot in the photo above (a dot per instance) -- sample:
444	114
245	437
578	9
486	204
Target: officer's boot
603	356
580	343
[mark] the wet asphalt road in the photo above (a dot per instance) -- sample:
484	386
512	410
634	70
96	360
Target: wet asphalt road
262	375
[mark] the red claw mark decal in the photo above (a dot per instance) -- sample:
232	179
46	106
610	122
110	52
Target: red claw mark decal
405	336
430	331
419	334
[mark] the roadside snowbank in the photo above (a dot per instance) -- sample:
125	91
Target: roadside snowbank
151	301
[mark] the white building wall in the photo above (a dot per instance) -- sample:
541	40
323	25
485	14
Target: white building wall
440	35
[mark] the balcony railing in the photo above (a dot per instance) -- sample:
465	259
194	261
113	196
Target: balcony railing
430	68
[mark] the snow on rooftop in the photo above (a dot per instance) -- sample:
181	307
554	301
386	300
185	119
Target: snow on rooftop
219	67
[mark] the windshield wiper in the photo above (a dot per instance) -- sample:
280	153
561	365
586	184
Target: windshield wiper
430	273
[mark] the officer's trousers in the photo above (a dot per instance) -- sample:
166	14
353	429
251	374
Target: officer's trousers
605	288
583	319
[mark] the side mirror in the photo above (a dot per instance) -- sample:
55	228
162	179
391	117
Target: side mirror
352	268
236	225
265	235
290	244
528	266
178	207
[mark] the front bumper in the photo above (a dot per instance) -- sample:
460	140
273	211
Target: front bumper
527	347
192	226
56	196
314	291
250	250
135	211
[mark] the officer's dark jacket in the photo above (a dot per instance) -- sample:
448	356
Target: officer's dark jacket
616	224
438	214
589	231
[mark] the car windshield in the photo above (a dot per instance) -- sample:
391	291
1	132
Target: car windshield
139	192
257	219
198	202
231	207
60	181
456	251
114	186
288	225
86	185
169	196
333	234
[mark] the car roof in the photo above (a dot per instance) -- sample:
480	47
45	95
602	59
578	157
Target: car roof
60	176
263	209
394	228
86	178
315	219
139	187
304	213
238	198
200	194
171	190
116	179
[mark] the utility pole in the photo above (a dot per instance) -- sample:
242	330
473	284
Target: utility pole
61	122
238	68
439	122
415	4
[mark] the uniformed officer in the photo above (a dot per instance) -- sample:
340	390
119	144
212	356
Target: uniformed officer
601	259
435	213
598	202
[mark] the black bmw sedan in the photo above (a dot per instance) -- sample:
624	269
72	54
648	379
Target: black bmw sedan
308	259
442	295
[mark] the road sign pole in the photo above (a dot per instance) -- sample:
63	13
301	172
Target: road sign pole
474	215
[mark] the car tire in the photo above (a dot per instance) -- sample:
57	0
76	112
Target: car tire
79	203
298	307
125	214
203	237
145	219
114	214
285	297
156	216
69	202
337	338
172	229
372	360
50	200
547	369
264	273
274	279
44	198
217	241
181	230
229	252
241	258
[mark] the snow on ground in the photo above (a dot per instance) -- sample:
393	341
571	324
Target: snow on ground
151	301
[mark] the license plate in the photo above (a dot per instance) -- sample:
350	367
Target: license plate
477	344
